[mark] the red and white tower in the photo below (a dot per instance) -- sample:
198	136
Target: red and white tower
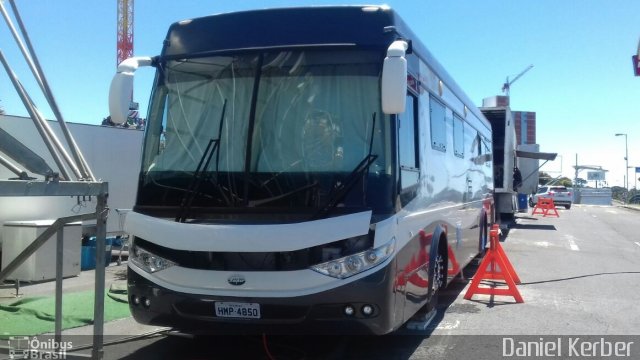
125	30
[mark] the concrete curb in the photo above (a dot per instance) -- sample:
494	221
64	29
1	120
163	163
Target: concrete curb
626	206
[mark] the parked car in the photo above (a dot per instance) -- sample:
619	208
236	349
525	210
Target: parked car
560	194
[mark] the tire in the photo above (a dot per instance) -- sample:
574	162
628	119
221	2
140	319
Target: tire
531	204
437	278
567	207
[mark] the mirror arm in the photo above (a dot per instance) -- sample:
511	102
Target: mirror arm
133	63
397	49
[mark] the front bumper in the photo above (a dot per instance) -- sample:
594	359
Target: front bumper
318	313
561	202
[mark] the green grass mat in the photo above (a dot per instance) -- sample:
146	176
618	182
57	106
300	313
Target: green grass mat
36	315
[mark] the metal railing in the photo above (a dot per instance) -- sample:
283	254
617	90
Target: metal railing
44	188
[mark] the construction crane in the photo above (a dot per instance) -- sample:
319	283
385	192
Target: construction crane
125	45
125	30
507	83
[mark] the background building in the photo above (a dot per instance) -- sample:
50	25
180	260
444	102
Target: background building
525	123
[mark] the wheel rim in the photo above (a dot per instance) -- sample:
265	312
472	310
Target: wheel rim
438	277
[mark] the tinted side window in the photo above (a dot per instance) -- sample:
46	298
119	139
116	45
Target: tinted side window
408	145
438	125
458	136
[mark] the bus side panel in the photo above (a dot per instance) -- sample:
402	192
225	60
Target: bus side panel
454	184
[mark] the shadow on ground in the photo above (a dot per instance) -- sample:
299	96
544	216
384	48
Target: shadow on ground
400	345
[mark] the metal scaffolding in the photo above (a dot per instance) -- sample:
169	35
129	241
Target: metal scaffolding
15	188
58	183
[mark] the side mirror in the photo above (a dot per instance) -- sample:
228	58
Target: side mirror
394	78
122	87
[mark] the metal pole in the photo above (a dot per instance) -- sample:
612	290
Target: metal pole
575	177
626	159
9	165
626	166
36	69
59	262
35	116
98	309
25	54
17	151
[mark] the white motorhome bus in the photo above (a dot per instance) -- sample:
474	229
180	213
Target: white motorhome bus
305	170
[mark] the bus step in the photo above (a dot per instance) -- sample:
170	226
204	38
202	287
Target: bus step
421	322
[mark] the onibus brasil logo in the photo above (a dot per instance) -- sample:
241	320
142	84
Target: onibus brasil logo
24	347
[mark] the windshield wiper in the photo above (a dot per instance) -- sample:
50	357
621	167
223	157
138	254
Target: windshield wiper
343	188
198	175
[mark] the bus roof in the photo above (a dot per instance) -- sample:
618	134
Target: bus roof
282	27
366	26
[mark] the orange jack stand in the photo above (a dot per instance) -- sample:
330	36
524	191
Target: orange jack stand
545	206
500	269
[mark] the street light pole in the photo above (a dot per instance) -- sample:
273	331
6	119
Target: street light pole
626	166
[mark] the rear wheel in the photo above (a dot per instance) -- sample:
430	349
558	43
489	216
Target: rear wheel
567	207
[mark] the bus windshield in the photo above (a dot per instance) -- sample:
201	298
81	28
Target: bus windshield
283	128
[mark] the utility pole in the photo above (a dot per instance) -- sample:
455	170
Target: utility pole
626	165
626	160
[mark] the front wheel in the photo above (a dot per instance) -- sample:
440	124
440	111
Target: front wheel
567	207
437	276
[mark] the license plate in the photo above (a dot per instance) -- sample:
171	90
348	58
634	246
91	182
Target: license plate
238	310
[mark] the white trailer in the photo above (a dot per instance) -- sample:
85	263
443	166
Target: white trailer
515	167
496	110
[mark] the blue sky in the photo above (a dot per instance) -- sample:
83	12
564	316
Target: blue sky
582	86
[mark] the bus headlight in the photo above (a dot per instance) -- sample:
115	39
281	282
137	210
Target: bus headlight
356	263
148	261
